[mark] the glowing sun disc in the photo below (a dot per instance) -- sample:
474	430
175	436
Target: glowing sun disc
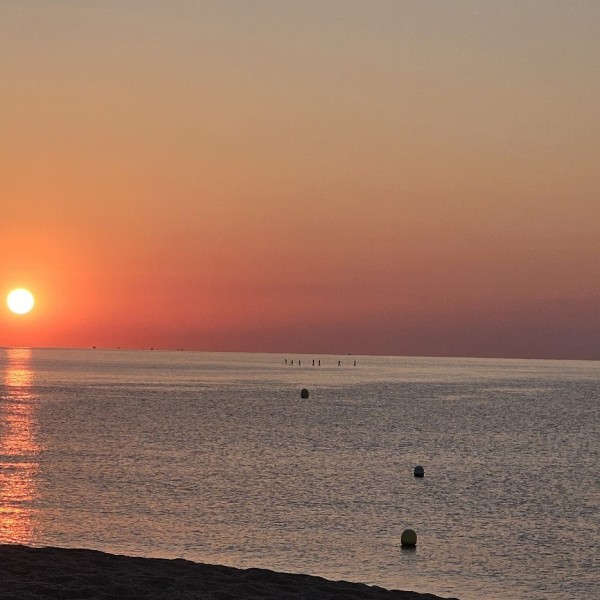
20	301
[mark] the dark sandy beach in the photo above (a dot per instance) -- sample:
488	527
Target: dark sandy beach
73	574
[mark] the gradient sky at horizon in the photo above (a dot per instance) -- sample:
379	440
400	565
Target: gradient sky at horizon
382	177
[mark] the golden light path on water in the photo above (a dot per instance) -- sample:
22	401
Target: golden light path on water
19	450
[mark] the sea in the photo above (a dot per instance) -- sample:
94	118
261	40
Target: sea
216	458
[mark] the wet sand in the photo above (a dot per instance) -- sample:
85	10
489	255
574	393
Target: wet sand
73	574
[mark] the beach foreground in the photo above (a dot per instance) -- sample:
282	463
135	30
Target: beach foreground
35	573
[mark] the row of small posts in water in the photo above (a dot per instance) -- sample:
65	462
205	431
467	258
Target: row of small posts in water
314	364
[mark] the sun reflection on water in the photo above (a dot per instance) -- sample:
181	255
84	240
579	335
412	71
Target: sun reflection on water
19	451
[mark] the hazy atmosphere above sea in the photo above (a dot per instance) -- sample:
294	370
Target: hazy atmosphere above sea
388	177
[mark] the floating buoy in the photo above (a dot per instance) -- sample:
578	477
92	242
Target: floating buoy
419	471
408	539
304	393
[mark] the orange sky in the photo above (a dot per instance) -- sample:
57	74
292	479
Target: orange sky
385	177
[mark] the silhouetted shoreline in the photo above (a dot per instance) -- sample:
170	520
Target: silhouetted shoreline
43	573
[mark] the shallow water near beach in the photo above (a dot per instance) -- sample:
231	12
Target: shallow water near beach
216	458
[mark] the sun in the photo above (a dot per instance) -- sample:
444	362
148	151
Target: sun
20	301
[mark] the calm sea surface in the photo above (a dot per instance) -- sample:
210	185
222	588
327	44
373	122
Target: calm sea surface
215	458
